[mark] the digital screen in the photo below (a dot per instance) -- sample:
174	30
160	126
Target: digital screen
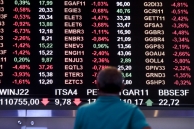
52	50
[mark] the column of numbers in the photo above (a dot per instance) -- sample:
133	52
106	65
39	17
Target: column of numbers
181	43
124	40
46	44
100	36
21	52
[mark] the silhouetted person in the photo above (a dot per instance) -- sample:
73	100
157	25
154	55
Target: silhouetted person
109	112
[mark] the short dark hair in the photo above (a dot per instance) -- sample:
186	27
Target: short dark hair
110	80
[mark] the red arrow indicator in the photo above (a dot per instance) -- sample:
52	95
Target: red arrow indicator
45	101
77	101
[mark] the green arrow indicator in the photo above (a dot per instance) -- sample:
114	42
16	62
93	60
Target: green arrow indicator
149	102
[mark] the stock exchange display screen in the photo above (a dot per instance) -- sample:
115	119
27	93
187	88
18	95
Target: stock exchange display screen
52	50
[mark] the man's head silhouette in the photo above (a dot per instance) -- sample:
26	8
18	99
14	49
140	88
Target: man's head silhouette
110	80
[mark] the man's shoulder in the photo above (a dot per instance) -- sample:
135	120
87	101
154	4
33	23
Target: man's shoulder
121	105
129	106
87	106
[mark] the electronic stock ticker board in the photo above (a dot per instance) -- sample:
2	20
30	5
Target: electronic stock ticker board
52	50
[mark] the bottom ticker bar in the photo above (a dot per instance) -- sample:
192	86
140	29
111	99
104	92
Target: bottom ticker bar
74	103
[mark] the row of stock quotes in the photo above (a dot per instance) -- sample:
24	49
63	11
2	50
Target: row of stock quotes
51	52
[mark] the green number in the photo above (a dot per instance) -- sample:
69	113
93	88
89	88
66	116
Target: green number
46	24
125	60
99	46
127	75
46	59
45	3
123	11
22	2
46	45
